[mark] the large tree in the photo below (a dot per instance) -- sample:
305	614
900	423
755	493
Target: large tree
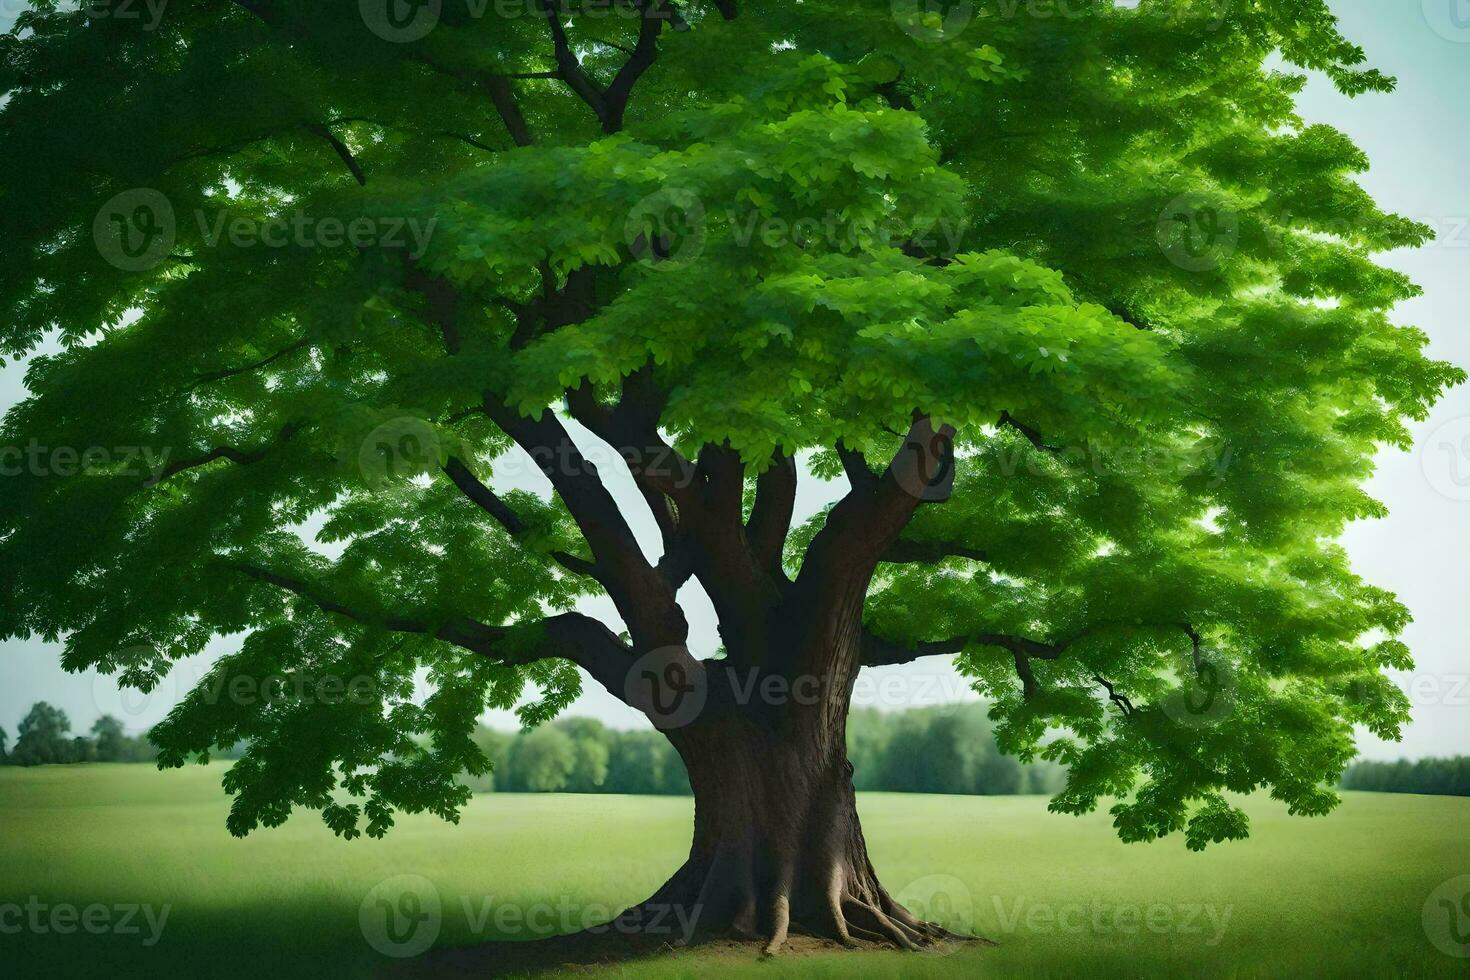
1078	313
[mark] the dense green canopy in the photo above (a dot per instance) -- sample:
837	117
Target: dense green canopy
323	262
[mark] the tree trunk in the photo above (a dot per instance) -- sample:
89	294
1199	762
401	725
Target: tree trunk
777	842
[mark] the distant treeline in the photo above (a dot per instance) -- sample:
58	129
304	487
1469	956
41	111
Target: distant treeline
1437	777
45	737
923	750
929	750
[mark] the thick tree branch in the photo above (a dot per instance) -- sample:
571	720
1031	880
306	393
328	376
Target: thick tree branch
461	631
238	456
343	151
865	523
631	428
615	99
641	594
568	636
269	359
1124	705
855	466
503	97
569	66
1032	436
770	516
442	299
878	652
929	552
487	500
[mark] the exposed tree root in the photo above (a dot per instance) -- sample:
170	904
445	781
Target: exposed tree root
849	921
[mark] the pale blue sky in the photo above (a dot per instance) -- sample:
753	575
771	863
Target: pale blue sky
1419	142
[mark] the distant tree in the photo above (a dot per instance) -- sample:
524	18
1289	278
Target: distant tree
495	745
43	737
542	760
590	754
81	749
644	762
3	738
868	735
112	743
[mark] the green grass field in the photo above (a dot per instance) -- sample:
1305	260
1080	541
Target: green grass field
1338	896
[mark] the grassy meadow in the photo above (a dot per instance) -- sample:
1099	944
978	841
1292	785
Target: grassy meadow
1343	895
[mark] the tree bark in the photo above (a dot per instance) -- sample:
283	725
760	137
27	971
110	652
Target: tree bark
778	846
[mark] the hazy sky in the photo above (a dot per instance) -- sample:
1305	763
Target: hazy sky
1419	142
